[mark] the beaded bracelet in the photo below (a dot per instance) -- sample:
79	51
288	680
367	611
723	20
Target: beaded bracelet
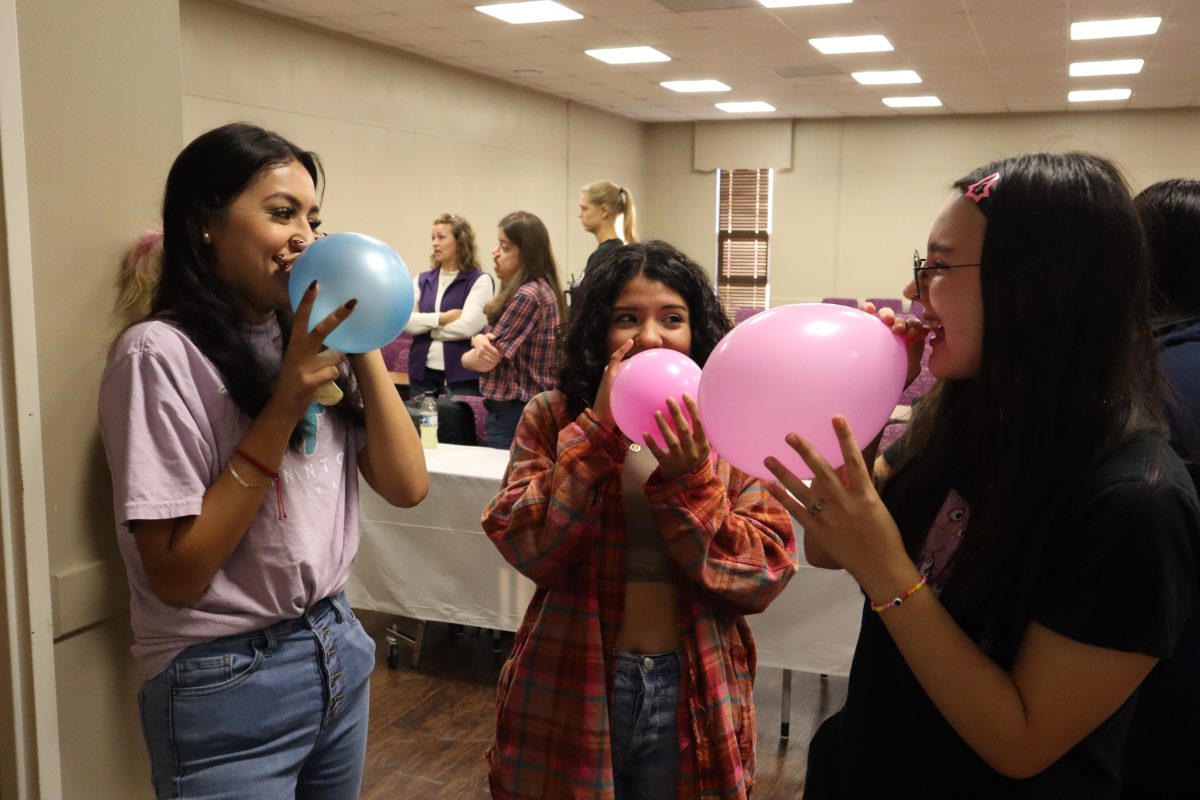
899	599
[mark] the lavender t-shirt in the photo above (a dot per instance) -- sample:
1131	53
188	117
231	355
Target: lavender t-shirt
169	427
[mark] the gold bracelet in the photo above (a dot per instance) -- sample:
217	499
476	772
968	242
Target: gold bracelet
243	482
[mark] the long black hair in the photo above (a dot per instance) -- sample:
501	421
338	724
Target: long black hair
206	178
585	344
1170	214
1068	372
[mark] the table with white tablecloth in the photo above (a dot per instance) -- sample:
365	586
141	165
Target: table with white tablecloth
434	563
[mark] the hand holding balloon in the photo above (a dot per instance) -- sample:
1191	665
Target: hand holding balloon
640	389
687	445
353	266
911	329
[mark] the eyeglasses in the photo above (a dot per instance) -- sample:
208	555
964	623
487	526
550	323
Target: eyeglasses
919	267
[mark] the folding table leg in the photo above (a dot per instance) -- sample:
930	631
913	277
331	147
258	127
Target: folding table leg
393	635
785	713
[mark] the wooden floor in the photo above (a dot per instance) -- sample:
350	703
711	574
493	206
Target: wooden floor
430	726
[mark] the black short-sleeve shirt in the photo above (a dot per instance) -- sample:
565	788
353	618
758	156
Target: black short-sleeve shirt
1120	570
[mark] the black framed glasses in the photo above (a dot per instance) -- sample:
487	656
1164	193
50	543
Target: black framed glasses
919	267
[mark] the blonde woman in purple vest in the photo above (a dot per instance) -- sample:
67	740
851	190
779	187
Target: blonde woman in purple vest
450	300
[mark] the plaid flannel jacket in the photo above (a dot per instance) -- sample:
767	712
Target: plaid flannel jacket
559	519
526	339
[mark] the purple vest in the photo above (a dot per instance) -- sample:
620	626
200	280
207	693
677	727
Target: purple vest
452	352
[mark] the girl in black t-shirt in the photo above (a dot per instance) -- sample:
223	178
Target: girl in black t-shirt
601	205
1034	548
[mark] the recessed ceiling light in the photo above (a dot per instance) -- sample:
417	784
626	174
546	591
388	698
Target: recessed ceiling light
1096	95
628	55
534	11
750	107
852	44
1128	66
694	86
886	76
795	3
923	101
1109	28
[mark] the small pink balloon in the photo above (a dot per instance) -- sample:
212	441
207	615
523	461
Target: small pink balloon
791	369
642	385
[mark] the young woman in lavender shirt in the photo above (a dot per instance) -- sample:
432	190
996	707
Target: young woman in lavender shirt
236	495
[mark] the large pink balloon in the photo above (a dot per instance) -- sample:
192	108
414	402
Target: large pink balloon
792	369
642	386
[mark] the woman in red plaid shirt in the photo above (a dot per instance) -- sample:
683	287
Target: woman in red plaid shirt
632	674
515	353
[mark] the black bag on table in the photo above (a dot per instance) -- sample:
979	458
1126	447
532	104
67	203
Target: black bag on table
456	422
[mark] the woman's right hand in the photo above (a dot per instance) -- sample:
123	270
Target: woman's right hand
446	317
911	329
306	365
601	406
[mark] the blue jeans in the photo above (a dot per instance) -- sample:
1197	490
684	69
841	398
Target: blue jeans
645	726
501	421
271	714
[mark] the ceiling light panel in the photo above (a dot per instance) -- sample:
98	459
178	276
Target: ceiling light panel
1127	66
852	44
748	107
695	86
628	55
1111	28
798	3
525	13
1098	95
886	77
924	101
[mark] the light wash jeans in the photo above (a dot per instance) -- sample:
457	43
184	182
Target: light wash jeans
270	714
645	727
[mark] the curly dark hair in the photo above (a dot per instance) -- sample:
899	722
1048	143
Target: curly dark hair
585	343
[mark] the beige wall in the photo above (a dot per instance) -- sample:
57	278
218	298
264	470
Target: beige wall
100	90
862	192
404	139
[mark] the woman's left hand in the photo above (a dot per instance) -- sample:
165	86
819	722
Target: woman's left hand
842	511
687	450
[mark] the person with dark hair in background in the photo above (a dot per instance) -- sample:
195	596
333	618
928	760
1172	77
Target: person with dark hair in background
450	296
1035	546
1162	755
632	675
236	495
516	352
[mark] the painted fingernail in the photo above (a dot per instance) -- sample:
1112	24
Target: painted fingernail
312	286
351	303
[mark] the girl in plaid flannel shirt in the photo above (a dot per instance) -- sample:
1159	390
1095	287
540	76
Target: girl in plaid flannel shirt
632	674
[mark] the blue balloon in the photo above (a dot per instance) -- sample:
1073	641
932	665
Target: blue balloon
354	265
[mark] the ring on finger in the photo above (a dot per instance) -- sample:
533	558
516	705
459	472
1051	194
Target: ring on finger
815	508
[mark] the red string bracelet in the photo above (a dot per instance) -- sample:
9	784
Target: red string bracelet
270	473
900	598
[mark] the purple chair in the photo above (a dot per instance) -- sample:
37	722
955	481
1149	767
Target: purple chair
479	410
395	353
841	301
915	309
746	313
894	303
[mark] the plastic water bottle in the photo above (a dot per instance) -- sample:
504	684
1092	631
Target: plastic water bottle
429	421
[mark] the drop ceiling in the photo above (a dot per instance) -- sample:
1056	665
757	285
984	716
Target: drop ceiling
977	56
